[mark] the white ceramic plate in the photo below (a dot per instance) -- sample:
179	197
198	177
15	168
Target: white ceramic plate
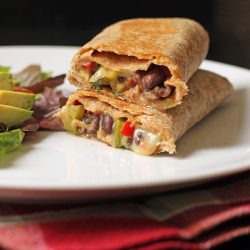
62	166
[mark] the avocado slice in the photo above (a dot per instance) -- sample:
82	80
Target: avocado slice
73	112
6	81
17	99
12	116
10	140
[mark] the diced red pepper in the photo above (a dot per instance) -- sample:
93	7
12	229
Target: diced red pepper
89	65
128	129
24	90
76	103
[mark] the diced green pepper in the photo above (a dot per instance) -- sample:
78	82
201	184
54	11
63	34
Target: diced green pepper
73	112
96	85
120	87
111	75
85	75
115	93
107	75
117	133
169	102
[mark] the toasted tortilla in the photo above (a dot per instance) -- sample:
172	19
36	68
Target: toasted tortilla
180	44
206	91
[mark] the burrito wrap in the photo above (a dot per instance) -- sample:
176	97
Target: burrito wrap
206	91
179	44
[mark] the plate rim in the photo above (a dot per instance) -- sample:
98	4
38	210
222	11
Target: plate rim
114	187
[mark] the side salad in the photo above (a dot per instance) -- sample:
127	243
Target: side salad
28	102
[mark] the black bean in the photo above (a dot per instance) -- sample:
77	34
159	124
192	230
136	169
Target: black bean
130	140
163	91
137	78
140	73
80	130
153	77
166	72
138	138
107	123
156	90
95	121
121	78
86	119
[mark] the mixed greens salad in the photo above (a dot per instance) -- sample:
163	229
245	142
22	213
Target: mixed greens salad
28	101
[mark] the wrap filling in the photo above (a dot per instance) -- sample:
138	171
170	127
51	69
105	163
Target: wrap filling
151	82
118	133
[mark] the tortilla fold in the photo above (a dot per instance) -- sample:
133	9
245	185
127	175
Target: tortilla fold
180	44
206	91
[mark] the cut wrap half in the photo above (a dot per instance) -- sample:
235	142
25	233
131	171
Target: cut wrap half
143	61
144	130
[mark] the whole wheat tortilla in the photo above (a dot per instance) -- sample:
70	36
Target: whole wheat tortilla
206	91
180	44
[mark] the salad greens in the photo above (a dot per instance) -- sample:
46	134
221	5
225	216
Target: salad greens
10	140
23	103
5	69
46	74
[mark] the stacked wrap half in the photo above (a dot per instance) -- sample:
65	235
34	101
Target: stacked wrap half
139	87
